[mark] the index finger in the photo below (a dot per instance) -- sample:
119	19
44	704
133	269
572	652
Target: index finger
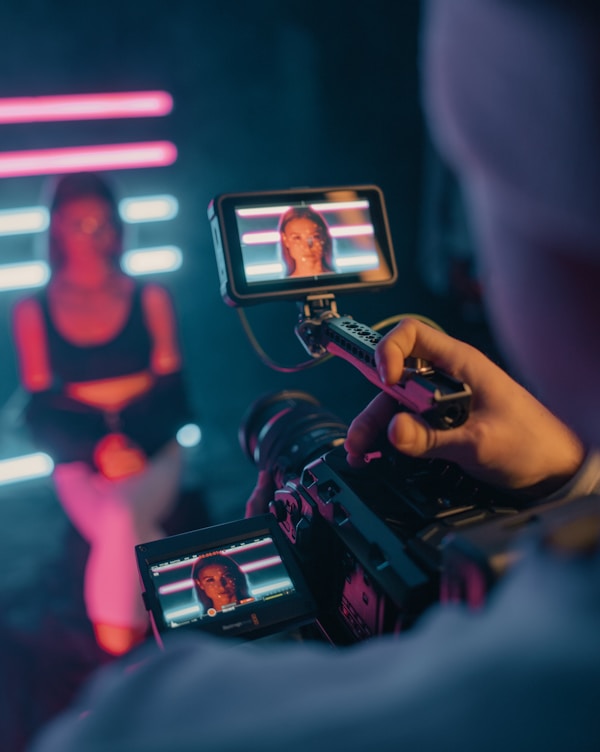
369	426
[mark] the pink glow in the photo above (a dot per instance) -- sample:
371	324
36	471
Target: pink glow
261	564
126	104
75	158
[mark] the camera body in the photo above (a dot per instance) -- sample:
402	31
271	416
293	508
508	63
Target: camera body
373	543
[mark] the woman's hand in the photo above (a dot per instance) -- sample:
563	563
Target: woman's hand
117	457
510	439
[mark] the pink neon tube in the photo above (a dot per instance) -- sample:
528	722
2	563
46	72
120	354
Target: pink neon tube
85	107
75	158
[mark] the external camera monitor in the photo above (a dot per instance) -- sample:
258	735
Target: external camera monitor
237	579
295	243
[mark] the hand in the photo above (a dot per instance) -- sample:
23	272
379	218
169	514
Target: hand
263	493
116	457
510	439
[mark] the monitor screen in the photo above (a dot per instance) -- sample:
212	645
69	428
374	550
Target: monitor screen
293	243
237	578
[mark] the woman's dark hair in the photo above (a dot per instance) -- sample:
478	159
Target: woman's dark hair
242	590
305	212
75	186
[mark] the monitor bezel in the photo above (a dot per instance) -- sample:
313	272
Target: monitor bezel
236	290
249	621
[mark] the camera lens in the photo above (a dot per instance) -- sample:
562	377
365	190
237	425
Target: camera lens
284	431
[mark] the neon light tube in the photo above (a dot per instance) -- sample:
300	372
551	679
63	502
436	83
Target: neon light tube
21	276
148	208
176	587
259	270
341	231
27	467
272	586
25	220
358	261
272	211
76	158
271	561
126	104
166	258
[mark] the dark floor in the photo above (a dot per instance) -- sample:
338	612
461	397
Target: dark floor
47	648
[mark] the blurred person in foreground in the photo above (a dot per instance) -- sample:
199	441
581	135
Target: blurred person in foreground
512	98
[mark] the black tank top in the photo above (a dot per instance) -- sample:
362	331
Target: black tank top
128	352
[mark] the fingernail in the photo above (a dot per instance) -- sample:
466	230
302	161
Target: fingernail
381	370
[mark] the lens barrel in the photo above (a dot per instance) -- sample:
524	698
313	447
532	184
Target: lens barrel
284	431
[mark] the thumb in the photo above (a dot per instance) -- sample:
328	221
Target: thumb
412	435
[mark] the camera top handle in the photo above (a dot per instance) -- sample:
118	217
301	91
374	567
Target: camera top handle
438	398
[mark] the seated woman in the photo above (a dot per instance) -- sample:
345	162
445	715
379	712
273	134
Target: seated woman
99	355
219	582
306	243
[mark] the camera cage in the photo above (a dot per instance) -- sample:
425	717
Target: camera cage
437	397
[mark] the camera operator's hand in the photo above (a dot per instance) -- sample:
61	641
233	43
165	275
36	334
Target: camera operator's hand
510	439
262	494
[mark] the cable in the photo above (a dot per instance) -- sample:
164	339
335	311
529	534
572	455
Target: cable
303	366
267	360
395	319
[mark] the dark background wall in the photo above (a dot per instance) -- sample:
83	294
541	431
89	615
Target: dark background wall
267	95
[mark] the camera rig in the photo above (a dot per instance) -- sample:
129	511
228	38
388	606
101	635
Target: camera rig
440	399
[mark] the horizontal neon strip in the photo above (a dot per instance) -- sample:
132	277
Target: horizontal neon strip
126	104
25	220
262	211
179	612
152	260
358	261
148	208
22	276
259	270
176	587
272	586
262	564
272	236
272	211
31	219
339	205
27	467
76	158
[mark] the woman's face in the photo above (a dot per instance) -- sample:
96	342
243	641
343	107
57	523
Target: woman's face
218	584
85	231
305	243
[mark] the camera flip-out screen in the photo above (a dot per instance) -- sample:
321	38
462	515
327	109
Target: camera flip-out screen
294	243
237	579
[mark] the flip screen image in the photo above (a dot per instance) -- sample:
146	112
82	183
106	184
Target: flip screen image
218	581
302	240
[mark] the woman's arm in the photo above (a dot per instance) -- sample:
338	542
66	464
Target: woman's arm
160	320
29	335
